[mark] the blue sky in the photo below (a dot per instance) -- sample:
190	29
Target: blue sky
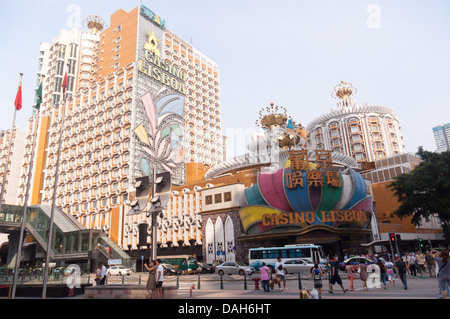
292	53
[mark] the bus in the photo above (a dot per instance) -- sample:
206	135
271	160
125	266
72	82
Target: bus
186	263
269	255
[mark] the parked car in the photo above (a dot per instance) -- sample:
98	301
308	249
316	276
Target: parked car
300	265
170	270
118	271
206	269
355	261
230	268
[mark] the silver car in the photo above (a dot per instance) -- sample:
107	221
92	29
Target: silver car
230	268
299	265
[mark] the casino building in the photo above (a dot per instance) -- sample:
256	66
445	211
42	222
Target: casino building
138	96
285	192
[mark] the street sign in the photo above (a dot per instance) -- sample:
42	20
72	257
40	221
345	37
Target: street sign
114	262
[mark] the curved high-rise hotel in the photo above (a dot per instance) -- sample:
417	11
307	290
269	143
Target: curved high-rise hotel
138	96
365	132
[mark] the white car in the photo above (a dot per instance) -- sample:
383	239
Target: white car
229	268
118	271
299	265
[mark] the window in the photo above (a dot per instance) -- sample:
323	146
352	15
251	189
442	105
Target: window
227	197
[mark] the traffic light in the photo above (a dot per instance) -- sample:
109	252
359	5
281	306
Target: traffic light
139	203
143	233
420	242
392	237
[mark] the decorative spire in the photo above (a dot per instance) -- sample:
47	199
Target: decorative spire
94	23
343	90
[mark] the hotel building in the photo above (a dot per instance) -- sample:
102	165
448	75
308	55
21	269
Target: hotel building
139	96
14	163
364	132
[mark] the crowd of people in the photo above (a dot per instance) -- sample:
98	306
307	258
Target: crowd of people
382	269
389	268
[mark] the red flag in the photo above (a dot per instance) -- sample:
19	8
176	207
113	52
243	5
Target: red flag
65	83
18	101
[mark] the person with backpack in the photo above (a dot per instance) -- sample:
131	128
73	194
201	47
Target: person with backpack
280	274
317	274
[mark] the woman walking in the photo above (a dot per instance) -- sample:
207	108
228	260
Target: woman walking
390	272
383	272
151	282
350	273
363	275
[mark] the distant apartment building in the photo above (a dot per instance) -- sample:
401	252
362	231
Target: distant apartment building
442	137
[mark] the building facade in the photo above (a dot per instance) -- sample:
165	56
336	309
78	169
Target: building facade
442	137
363	132
381	174
138	96
14	173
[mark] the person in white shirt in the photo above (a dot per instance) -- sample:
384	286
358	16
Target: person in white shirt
159	278
102	274
279	267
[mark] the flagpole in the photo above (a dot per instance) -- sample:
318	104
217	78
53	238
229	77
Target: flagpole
55	188
9	151
25	207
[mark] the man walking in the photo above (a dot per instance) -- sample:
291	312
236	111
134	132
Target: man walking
335	278
420	263
159	278
401	270
431	264
102	274
411	260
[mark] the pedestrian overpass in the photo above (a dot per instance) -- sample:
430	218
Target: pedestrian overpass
71	243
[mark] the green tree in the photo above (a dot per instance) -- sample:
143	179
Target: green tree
425	191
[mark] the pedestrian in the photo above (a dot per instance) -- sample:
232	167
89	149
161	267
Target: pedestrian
444	272
431	264
265	276
102	274
401	270
280	274
151	282
411	260
350	273
317	274
363	275
383	272
97	274
335	278
420	264
390	272
159	278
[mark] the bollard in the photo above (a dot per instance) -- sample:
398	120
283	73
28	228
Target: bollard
245	281
139	279
221	281
178	281
192	288
299	282
198	284
123	279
